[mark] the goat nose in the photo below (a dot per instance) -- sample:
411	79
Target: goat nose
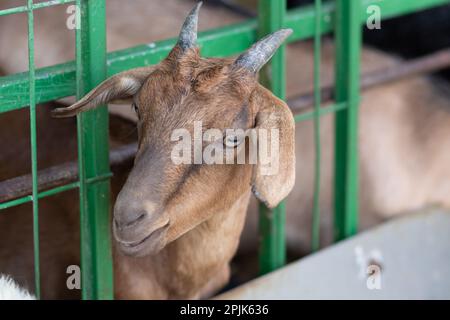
129	220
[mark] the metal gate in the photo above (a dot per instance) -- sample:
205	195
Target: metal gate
93	65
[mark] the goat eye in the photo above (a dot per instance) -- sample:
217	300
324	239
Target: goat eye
232	141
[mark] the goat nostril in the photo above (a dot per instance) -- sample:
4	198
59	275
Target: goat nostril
125	223
128	224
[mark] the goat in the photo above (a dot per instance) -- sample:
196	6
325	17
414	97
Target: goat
178	243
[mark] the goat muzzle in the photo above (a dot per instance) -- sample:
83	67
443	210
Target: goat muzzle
141	239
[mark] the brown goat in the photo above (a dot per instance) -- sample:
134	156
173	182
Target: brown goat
177	243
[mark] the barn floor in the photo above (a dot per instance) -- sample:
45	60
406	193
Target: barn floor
407	258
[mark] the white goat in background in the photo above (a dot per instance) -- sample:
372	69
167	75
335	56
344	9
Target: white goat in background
10	290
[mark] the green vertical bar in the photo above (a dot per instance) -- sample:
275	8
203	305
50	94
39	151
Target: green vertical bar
96	257
272	222
348	49
315	241
33	140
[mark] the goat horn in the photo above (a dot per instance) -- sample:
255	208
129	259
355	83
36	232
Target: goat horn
188	33
257	56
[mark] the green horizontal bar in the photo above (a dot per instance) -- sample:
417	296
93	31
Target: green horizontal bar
51	3
15	202
51	83
57	190
393	8
41	195
50	192
58	81
35	6
100	178
323	111
15	10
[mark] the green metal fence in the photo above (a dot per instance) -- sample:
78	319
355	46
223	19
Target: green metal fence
93	151
93	64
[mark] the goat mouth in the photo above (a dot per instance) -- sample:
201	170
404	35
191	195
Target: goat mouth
150	244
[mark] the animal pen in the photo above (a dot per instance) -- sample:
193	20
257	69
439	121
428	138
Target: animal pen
93	64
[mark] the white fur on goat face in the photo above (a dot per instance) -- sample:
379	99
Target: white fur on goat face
10	290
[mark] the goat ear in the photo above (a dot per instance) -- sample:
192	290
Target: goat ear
119	87
272	181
